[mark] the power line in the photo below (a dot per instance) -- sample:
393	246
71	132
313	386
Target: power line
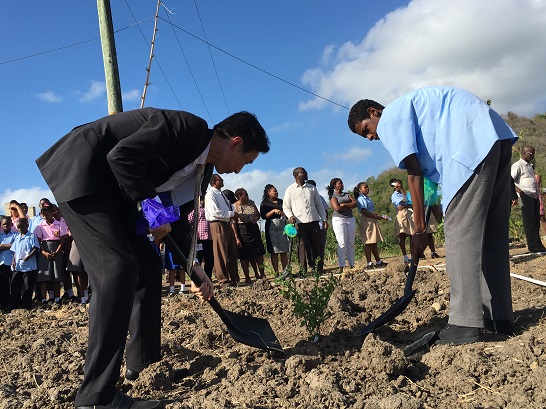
157	61
137	23
258	68
210	53
189	67
69	45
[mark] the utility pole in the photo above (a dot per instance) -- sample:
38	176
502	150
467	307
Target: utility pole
109	56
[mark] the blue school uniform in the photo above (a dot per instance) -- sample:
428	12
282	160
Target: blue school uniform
450	130
22	247
6	256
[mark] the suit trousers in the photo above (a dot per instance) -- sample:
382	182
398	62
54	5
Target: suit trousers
530	213
476	232
125	277
309	241
224	247
206	256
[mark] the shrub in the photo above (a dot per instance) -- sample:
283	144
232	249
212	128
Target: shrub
310	305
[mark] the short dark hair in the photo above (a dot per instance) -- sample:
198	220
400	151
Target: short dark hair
359	112
239	192
214	178
245	125
20	221
298	170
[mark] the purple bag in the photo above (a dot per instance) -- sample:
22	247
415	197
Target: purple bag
157	214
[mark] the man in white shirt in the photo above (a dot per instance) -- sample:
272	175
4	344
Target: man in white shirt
219	212
303	207
524	178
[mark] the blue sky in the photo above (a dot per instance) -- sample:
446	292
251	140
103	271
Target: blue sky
261	58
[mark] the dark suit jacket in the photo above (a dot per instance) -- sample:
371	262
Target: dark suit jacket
136	151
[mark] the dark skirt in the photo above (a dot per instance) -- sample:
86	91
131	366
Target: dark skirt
50	270
251	239
74	263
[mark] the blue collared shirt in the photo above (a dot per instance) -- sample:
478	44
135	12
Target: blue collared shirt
449	129
397	198
6	256
364	202
22	247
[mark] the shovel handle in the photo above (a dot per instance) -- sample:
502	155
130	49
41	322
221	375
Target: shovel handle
181	259
413	265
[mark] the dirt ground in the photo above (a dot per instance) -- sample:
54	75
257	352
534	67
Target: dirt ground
42	351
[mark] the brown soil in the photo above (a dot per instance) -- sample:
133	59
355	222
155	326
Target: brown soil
42	352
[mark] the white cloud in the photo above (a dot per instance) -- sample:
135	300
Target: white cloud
30	196
353	155
494	49
49	96
96	90
132	95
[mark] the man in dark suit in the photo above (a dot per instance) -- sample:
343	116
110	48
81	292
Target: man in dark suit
98	172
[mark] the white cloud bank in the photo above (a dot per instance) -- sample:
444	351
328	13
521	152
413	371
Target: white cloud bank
49	96
30	196
493	48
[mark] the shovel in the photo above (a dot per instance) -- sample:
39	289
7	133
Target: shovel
399	306
251	331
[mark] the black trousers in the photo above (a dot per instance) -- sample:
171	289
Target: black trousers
5	276
530	212
309	241
206	255
125	275
20	280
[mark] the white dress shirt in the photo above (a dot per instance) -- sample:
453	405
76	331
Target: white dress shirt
303	202
217	207
524	177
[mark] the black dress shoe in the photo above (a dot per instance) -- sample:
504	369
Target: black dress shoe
180	374
457	335
122	401
538	250
131	375
499	326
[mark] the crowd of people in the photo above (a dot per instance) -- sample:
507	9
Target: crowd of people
445	134
39	256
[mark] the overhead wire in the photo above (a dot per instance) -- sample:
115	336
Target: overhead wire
211	57
258	68
69	45
189	66
253	189
157	61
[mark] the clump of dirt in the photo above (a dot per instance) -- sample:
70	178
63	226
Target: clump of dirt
42	351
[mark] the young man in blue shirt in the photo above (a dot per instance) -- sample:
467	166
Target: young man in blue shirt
24	266
7	237
455	139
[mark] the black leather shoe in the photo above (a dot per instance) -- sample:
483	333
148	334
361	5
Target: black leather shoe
131	375
122	401
457	335
180	374
538	250
499	326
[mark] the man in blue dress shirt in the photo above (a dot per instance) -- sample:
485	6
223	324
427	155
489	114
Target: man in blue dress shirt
455	139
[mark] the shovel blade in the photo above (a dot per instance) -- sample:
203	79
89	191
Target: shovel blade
396	309
252	331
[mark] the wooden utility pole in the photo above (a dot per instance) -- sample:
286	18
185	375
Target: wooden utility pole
109	56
